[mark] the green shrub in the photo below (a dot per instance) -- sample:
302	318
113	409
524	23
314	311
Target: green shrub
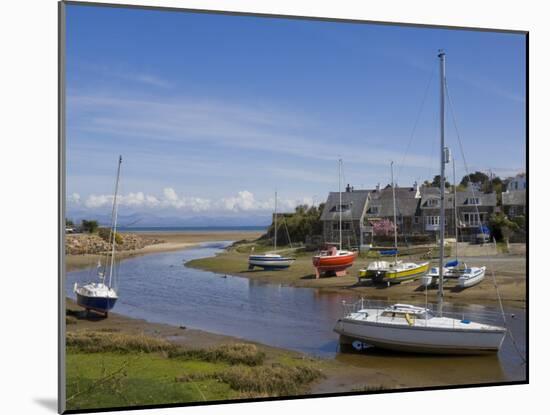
105	234
270	381
90	226
94	342
237	353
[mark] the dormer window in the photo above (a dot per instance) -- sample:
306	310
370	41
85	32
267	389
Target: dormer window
432	202
373	210
341	208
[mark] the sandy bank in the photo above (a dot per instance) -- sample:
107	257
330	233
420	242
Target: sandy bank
509	272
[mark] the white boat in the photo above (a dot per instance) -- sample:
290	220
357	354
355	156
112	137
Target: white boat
270	261
464	275
405	327
471	276
101	296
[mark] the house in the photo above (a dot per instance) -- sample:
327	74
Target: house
513	203
473	210
380	207
352	208
517	183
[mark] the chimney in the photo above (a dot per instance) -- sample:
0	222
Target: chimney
378	187
348	188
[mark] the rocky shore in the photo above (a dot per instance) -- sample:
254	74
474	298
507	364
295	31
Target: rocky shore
83	244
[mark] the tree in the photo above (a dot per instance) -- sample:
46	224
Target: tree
89	225
69	223
477	177
306	220
383	227
502	227
437	182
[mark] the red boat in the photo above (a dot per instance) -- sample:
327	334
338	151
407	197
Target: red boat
333	260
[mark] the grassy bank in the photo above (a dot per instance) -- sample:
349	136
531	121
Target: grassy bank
509	272
110	369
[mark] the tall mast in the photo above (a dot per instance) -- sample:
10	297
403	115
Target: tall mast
275	219
114	220
394	212
340	193
455	211
441	56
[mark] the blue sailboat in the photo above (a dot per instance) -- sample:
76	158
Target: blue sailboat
101	296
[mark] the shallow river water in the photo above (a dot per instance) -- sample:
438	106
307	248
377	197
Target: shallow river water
160	288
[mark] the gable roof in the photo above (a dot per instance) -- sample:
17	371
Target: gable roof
355	201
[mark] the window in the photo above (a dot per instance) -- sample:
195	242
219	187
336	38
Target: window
471	219
416	220
340	208
473	201
432	202
373	210
346	226
432	220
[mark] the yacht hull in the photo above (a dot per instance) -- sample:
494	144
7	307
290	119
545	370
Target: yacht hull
333	263
269	262
101	304
420	339
383	276
476	278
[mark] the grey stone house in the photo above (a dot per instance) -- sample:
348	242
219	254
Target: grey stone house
354	203
473	210
417	213
380	206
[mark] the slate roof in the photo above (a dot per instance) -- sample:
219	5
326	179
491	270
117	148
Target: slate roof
355	200
406	204
513	198
462	198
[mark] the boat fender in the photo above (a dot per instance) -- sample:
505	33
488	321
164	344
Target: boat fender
410	319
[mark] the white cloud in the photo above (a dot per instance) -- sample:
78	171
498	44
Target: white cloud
170	194
74	198
97	201
243	201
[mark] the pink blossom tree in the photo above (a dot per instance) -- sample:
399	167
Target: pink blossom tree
383	227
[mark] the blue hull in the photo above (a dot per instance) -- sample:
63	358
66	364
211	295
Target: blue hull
100	304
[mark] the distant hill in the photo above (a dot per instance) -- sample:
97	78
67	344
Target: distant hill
151	220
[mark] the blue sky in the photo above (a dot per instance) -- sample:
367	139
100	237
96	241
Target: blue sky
212	113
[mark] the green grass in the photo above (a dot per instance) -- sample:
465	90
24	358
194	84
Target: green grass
139	379
110	369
